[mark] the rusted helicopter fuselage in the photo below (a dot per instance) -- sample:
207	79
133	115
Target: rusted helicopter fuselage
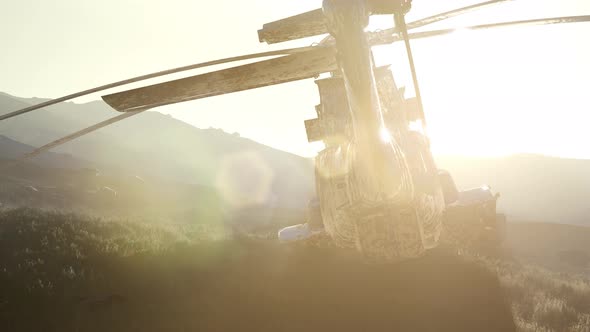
378	186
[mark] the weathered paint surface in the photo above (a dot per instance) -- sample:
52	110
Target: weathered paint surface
304	25
260	74
378	194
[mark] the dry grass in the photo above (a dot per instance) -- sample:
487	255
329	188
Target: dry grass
544	300
62	272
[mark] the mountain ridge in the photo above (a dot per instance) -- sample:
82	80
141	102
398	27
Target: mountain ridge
154	144
533	187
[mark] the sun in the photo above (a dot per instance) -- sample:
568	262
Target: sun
473	89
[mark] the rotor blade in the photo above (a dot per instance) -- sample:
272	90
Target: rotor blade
450	14
307	24
312	23
401	25
542	21
154	75
70	137
255	75
385	36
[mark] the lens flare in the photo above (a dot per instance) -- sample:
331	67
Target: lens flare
385	135
245	179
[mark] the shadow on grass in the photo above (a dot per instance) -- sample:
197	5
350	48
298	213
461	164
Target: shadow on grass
245	285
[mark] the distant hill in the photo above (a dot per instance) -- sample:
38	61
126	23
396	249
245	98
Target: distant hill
11	149
565	248
154	144
532	187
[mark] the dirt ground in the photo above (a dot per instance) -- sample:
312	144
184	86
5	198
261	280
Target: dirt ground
261	288
64	273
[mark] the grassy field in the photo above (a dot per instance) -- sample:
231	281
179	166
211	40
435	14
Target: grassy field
564	248
65	272
543	300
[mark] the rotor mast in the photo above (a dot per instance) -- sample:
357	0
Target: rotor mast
375	155
346	21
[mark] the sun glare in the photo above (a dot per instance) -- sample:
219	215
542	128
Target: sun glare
385	135
474	83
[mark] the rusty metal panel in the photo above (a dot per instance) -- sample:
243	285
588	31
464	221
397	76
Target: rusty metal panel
412	109
389	93
307	24
255	75
333	98
334	111
314	130
392	102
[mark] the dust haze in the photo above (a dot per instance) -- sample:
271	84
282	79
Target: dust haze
151	223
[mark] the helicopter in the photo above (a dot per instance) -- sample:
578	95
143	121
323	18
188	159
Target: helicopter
378	189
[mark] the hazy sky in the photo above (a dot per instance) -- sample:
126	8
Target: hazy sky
485	93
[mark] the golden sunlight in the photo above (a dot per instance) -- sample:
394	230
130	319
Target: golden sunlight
476	82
